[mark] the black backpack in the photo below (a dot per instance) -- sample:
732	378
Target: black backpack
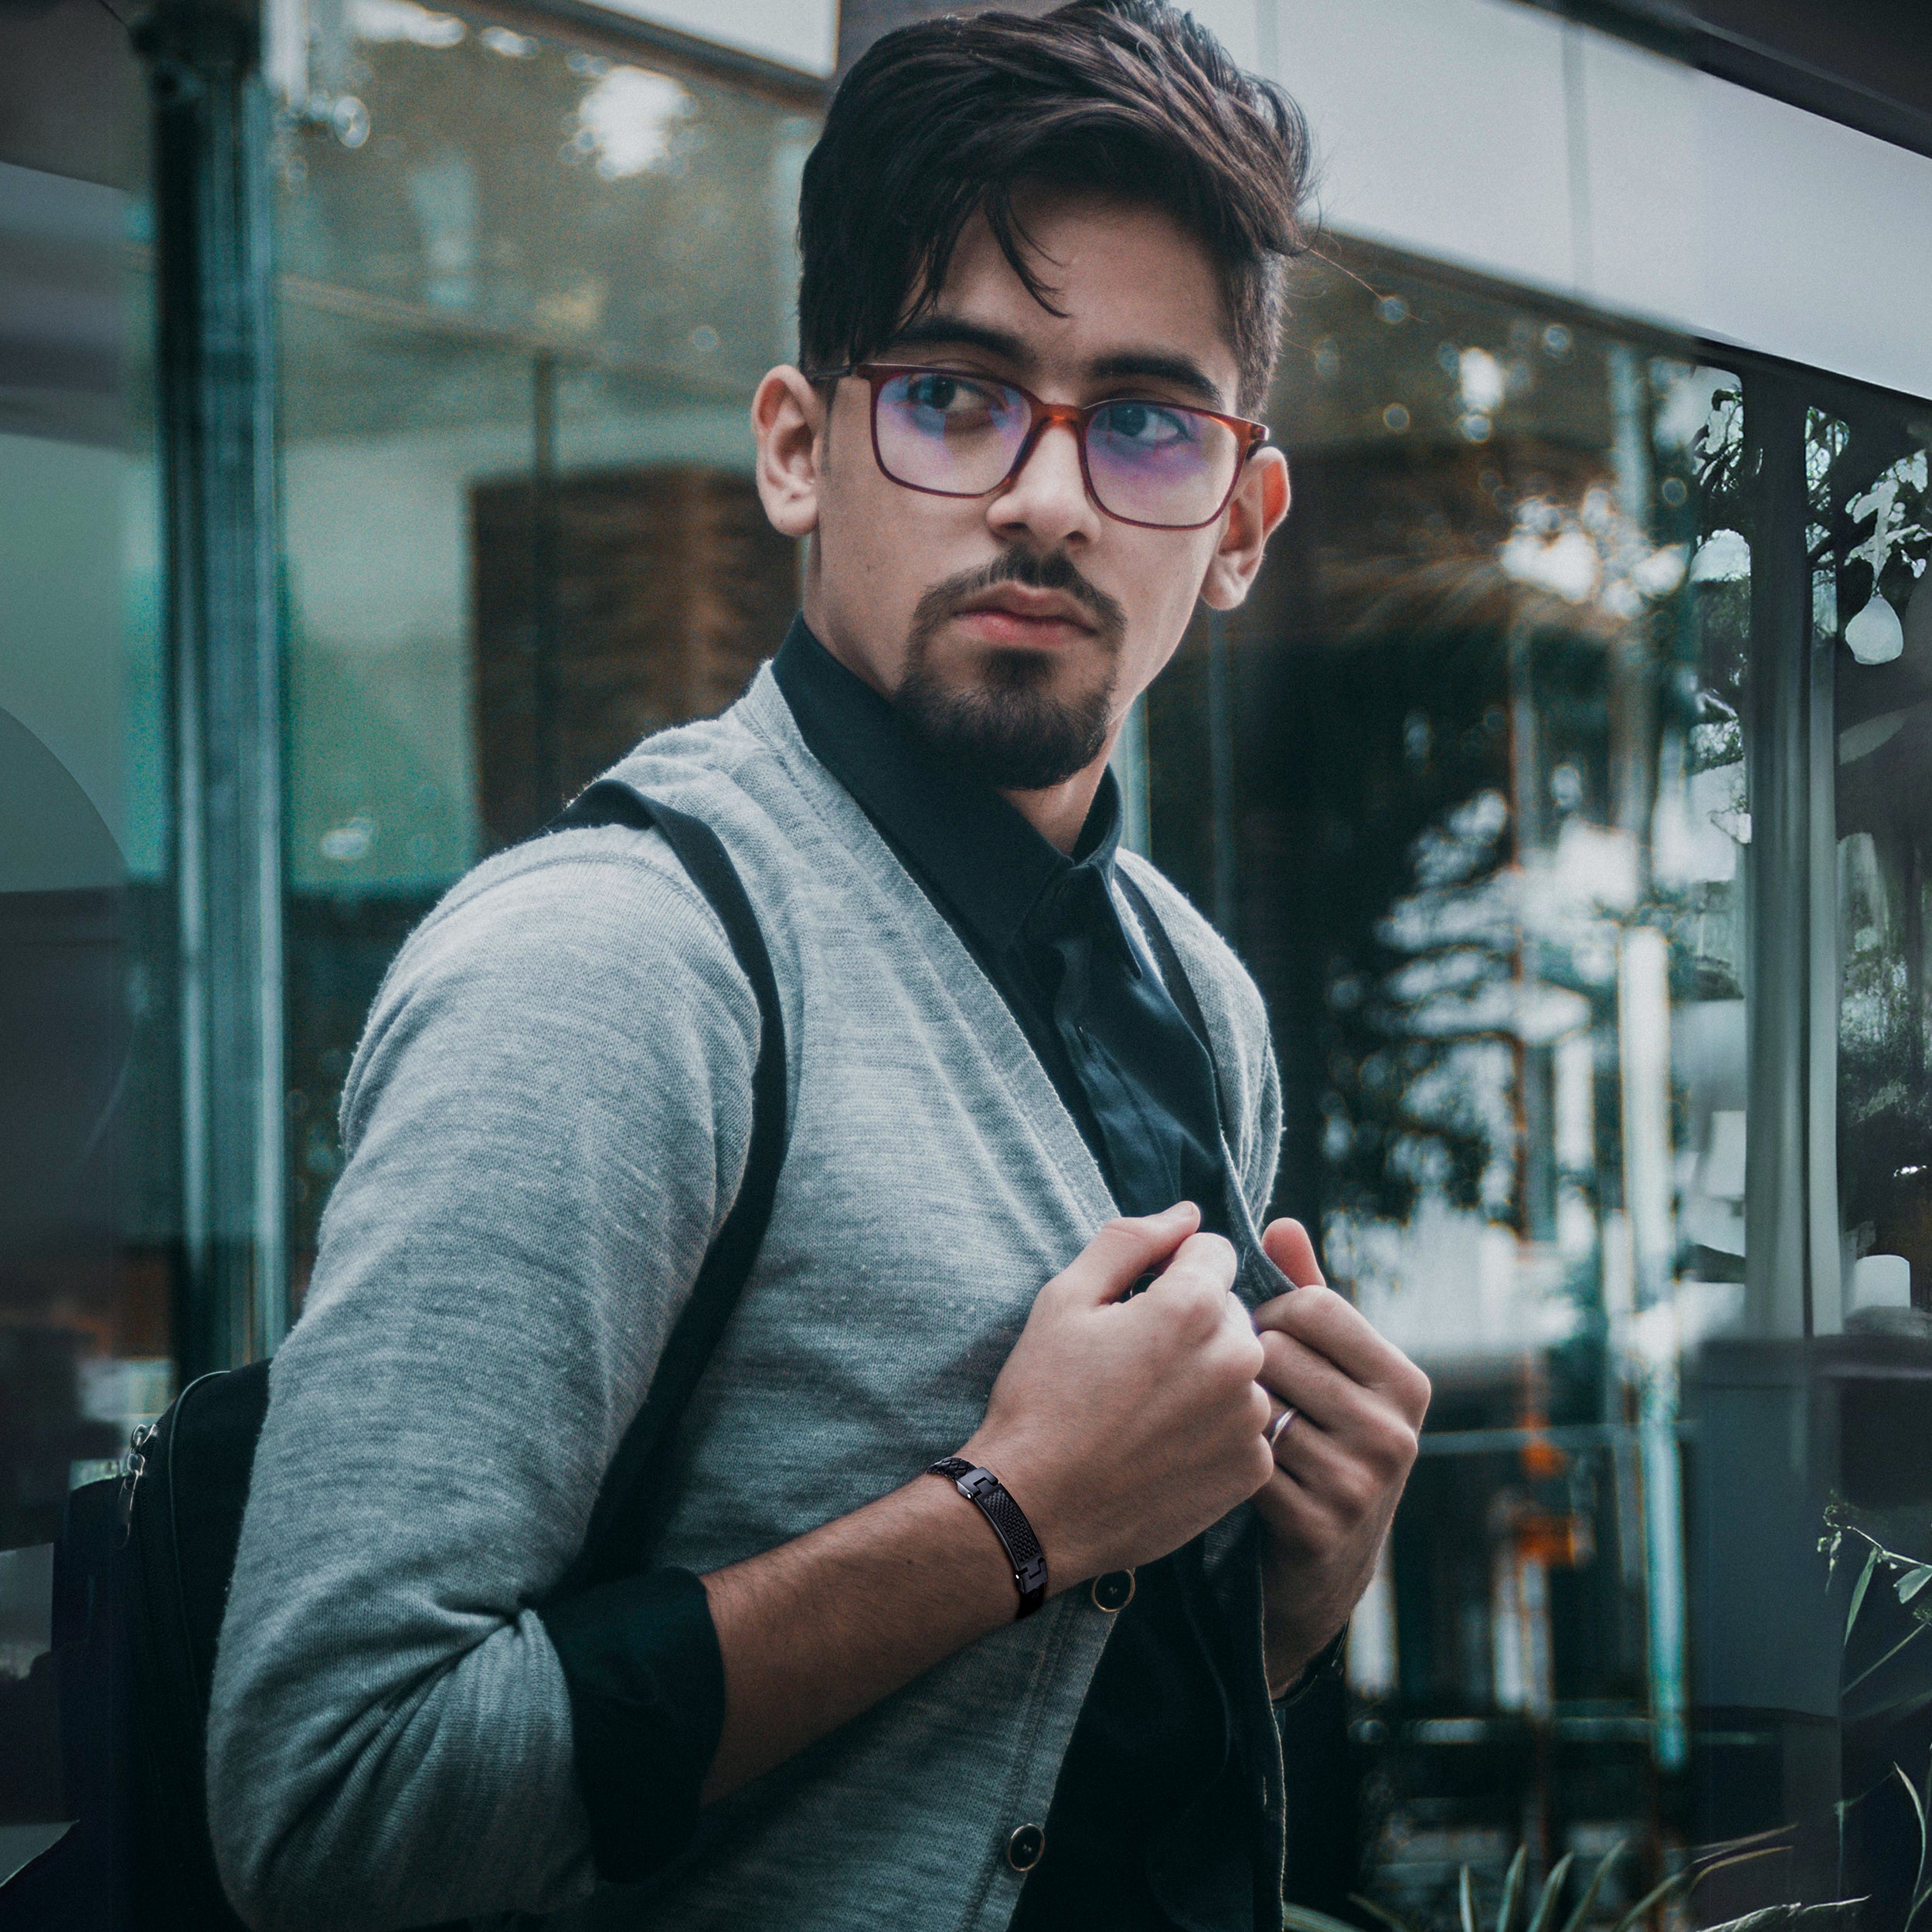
142	1568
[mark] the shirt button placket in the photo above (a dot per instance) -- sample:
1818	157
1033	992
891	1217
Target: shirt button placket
1025	1847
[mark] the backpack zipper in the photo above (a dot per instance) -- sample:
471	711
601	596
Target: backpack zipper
133	1466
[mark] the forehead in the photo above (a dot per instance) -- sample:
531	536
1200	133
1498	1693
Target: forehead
1130	280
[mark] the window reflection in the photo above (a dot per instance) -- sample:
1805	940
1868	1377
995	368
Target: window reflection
528	287
1563	783
1486	821
1874	544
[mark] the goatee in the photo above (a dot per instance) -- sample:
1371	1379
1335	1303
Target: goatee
1009	731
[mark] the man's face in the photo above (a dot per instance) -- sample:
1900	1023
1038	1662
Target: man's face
1013	630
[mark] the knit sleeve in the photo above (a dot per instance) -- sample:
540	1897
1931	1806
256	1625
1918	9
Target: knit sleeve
546	1120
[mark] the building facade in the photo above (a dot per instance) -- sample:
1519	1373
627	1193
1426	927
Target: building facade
374	470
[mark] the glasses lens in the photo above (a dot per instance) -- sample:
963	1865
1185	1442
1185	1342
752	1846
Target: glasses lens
956	434
1156	463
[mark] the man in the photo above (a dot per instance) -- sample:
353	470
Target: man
1042	266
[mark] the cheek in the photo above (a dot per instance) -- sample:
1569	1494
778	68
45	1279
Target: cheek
882	547
861	528
1160	599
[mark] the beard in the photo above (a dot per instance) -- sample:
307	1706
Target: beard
1010	729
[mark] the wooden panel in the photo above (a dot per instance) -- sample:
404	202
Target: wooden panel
606	606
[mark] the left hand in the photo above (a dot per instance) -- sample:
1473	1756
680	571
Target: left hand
1340	1465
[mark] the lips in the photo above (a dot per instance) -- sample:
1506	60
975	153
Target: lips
1015	613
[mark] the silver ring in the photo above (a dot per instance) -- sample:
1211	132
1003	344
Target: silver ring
1278	1428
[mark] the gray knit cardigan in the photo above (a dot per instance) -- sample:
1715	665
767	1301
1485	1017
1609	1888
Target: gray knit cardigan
546	1122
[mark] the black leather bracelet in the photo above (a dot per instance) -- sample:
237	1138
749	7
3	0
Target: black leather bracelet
986	1492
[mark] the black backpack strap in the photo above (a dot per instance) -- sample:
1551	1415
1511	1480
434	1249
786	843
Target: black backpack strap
620	1519
1179	985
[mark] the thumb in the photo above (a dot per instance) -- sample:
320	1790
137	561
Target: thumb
1122	1252
1287	1244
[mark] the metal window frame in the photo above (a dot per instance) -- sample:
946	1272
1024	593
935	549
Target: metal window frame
211	123
215	409
1674	31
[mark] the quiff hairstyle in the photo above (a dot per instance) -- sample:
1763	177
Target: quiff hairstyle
951	117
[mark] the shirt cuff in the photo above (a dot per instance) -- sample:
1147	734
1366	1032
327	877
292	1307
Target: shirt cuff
1328	1663
646	1681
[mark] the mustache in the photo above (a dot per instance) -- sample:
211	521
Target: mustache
1053	570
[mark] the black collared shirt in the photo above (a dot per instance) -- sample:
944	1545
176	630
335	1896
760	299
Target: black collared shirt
1151	1826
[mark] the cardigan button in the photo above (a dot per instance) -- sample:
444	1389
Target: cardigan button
1113	1591
1025	1847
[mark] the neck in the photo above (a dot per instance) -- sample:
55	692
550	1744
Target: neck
1058	813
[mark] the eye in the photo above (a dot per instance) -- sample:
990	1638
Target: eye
932	392
1146	425
954	397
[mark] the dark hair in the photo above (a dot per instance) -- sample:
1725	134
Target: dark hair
950	117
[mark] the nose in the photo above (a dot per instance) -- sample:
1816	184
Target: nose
1045	499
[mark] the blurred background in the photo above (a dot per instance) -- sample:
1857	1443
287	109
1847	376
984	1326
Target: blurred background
374	470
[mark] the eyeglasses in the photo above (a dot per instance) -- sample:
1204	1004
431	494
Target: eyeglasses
1159	465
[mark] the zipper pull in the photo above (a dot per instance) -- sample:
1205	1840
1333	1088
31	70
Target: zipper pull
133	1466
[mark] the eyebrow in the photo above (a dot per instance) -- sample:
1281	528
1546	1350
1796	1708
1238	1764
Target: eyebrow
1182	371
941	330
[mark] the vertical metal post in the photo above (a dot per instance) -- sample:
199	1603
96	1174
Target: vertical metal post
216	430
1643	1014
1778	894
546	538
1633	668
1129	761
1824	1285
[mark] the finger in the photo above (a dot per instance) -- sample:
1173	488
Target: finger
1122	1252
1201	1261
1299	1375
1343	1486
1286	1243
1321	1320
1297	1521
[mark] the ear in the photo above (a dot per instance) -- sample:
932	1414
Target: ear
1260	502
788	420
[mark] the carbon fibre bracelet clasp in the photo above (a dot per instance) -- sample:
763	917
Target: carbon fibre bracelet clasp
989	1496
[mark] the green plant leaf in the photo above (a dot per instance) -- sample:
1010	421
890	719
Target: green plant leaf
1466	1901
1580	1917
1375	1911
1837	1915
1298	1918
1919	1893
1923	1623
1858	1594
1512	1890
1913	1581
1552	1893
1656	1896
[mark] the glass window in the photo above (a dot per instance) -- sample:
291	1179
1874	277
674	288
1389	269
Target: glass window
87	1129
529	283
1518	783
1874	537
89	1226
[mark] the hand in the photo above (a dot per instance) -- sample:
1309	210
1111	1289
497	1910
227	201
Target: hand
1122	1428
1340	1464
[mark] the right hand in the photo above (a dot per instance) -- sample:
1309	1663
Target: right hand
1124	1428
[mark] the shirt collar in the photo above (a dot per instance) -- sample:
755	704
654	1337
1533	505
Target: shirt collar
969	843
